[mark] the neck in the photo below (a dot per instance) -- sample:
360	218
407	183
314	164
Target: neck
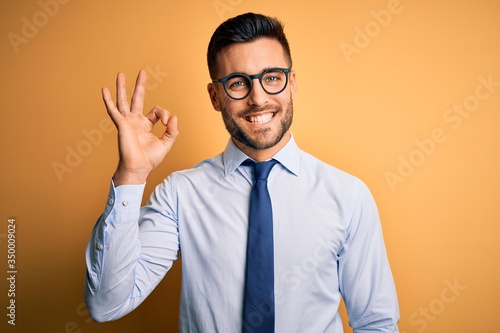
261	155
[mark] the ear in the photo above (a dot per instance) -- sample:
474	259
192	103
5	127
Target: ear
292	81
214	96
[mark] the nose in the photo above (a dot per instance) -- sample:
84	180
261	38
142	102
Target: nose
258	95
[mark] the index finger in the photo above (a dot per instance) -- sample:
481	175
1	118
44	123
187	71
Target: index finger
139	92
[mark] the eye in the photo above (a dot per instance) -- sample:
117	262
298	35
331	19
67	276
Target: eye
237	83
273	77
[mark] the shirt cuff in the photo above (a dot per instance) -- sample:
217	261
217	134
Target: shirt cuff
124	203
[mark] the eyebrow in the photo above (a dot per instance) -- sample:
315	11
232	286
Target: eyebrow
262	71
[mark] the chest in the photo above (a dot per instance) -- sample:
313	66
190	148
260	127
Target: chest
309	221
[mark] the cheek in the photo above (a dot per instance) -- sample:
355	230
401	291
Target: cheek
285	100
231	106
219	99
226	107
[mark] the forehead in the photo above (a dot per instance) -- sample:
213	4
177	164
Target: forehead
251	57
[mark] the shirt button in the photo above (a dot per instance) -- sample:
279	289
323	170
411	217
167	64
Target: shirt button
99	246
110	201
125	202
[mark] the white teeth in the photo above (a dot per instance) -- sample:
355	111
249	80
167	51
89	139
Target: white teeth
261	119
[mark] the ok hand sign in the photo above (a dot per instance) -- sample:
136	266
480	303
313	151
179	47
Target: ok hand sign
140	150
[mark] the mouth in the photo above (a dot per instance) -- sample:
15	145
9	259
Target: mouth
260	118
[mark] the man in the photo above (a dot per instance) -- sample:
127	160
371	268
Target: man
325	235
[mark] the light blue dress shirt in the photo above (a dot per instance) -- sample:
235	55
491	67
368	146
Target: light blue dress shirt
328	244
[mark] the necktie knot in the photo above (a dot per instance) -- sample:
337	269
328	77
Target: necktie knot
262	169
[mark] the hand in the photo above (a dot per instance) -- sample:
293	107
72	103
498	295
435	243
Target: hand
140	150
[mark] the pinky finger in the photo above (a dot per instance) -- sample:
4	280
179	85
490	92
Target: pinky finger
110	105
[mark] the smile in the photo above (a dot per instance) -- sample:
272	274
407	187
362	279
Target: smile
261	119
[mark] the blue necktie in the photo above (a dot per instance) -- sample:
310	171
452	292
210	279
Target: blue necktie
259	284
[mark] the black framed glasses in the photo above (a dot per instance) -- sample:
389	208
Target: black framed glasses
238	85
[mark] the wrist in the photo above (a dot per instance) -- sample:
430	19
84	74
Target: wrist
129	178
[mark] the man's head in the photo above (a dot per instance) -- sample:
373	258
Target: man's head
254	48
245	28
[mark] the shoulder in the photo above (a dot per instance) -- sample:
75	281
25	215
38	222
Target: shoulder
325	175
312	165
206	168
190	179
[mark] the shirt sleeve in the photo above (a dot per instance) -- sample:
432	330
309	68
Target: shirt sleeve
365	277
129	251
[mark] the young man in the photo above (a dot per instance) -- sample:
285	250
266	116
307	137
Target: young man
323	238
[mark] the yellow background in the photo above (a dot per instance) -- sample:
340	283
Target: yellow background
369	111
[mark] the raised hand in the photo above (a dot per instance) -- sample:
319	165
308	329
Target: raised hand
140	150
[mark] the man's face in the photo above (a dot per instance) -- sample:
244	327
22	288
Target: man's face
261	120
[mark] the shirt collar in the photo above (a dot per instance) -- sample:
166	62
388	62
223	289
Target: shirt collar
288	157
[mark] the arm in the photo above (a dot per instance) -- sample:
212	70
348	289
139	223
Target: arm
129	251
365	277
125	259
